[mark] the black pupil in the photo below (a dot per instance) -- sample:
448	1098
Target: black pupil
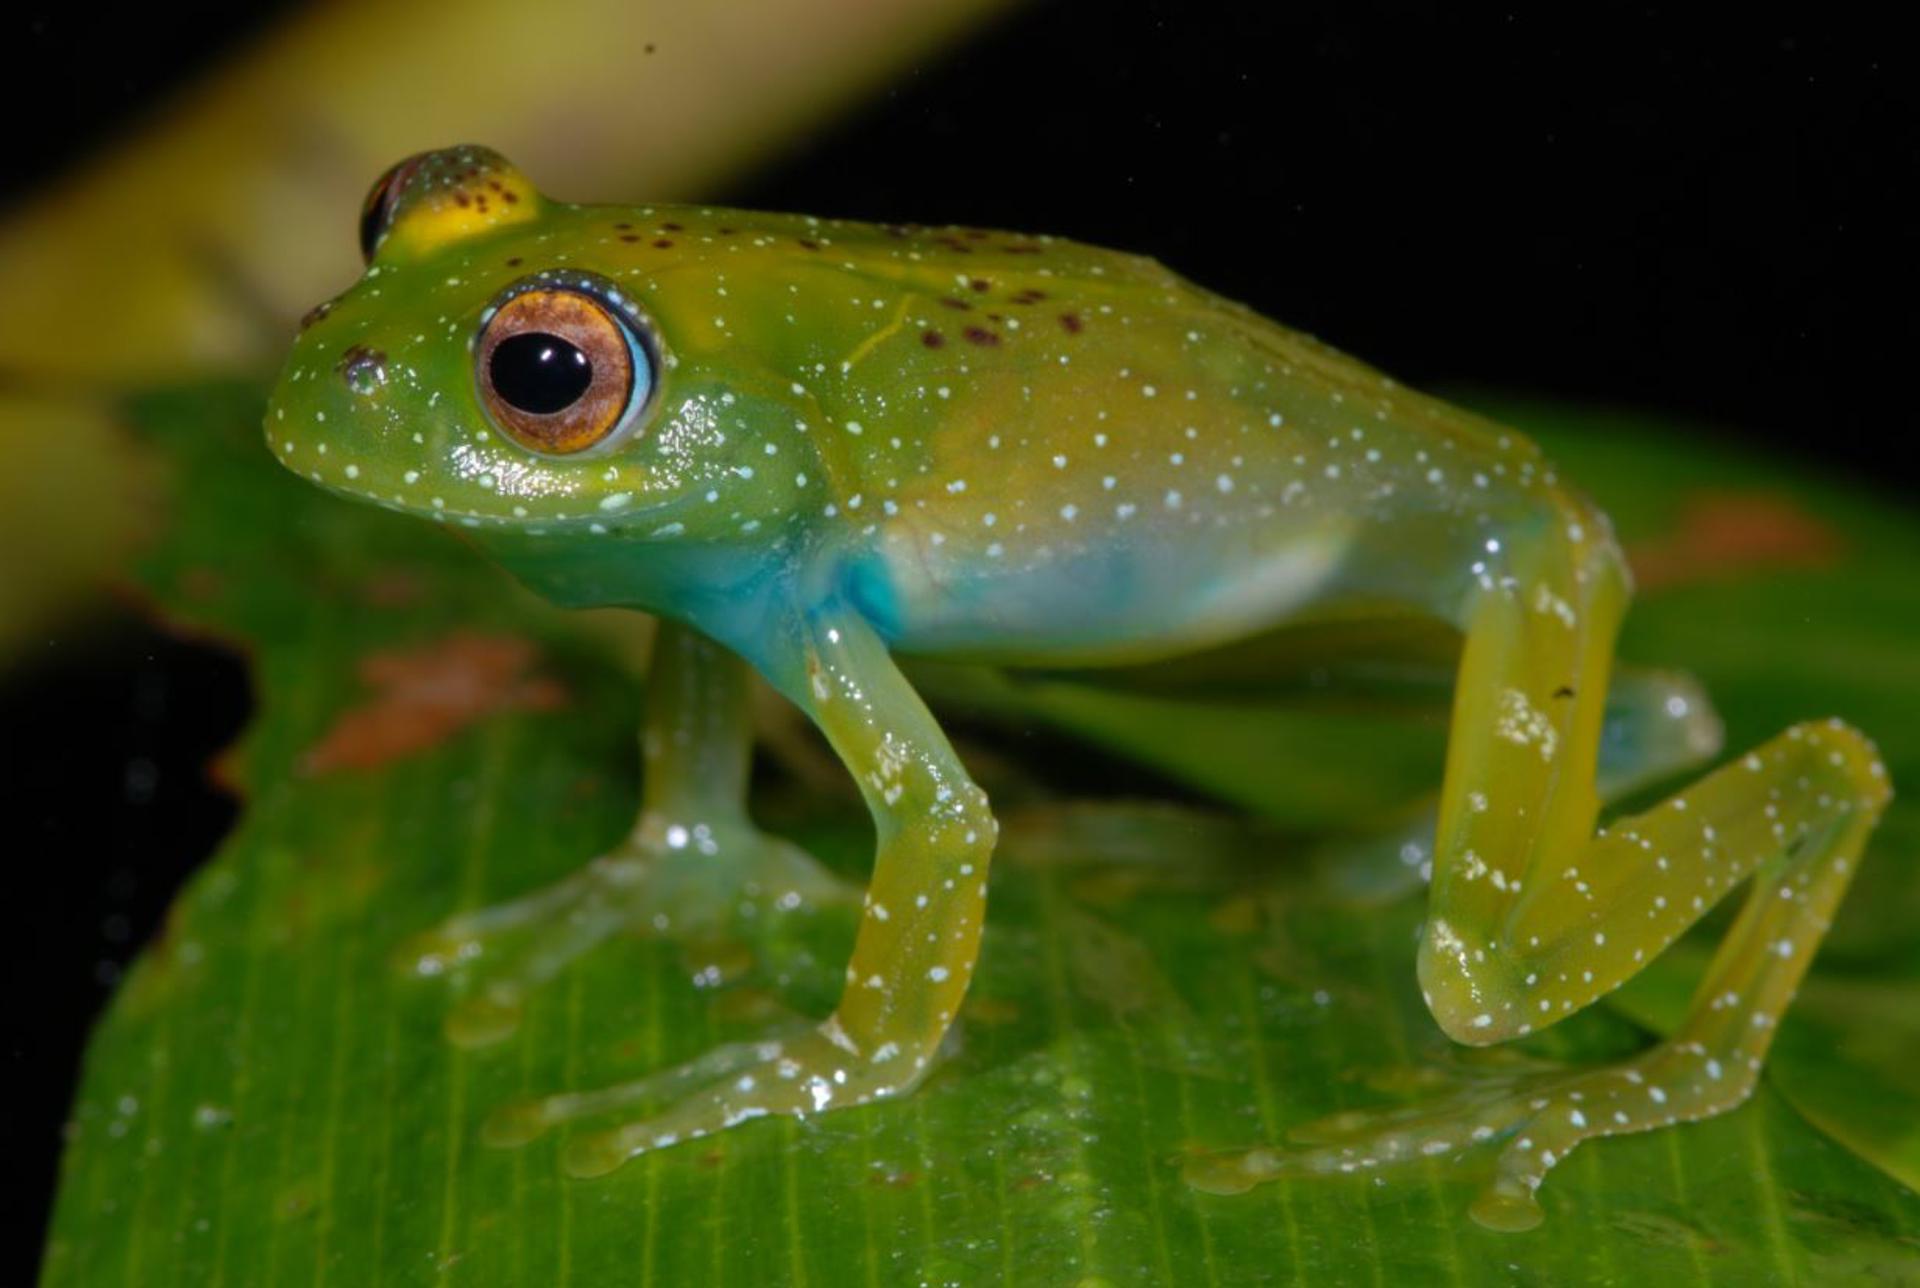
539	373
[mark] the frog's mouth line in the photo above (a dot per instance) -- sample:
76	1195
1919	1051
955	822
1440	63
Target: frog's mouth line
650	523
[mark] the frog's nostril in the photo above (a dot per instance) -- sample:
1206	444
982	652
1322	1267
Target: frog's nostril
364	369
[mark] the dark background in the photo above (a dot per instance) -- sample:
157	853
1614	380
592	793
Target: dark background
1652	207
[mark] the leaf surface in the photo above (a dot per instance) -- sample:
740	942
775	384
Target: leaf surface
270	1101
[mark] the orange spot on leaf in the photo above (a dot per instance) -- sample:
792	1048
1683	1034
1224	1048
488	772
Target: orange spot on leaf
1720	535
391	589
425	695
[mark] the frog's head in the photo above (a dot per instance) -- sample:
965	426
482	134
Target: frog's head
518	368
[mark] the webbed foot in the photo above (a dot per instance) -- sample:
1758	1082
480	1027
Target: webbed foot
691	884
1534	1117
807	1072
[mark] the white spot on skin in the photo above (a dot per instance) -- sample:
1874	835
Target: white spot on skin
1523	724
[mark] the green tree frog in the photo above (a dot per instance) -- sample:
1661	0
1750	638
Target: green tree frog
810	447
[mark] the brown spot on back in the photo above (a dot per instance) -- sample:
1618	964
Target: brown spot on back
513	261
663	242
932	339
952	303
425	695
1720	535
980	284
315	313
806	244
629	237
1072	322
981	336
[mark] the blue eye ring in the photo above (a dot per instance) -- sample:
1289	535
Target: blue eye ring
565	365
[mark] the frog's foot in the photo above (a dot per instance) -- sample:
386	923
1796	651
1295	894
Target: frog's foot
805	1073
691	884
1534	1119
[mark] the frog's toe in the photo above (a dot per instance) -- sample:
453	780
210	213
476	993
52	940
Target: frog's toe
488	1016
522	1121
810	1073
1360	1142
435	952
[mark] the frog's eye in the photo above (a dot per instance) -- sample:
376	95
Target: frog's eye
559	372
376	212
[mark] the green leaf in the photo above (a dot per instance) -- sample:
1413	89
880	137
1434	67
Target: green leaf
270	1101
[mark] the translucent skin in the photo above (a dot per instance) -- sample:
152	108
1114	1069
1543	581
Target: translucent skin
868	441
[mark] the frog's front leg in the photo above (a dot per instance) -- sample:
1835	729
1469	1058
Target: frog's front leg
918	937
1534	914
684	871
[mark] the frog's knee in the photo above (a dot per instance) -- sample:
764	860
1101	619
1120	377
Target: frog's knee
1471	986
961	817
1848	759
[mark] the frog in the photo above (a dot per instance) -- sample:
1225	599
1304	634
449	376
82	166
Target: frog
815	450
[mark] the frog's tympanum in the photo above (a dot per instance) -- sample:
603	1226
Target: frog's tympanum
812	446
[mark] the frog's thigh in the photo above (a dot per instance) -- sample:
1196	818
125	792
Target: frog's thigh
1658	723
1533	914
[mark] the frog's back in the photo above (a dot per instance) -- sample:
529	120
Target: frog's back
1063	449
1055	449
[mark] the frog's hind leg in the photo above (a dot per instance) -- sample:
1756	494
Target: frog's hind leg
1658	723
1534	914
691	863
